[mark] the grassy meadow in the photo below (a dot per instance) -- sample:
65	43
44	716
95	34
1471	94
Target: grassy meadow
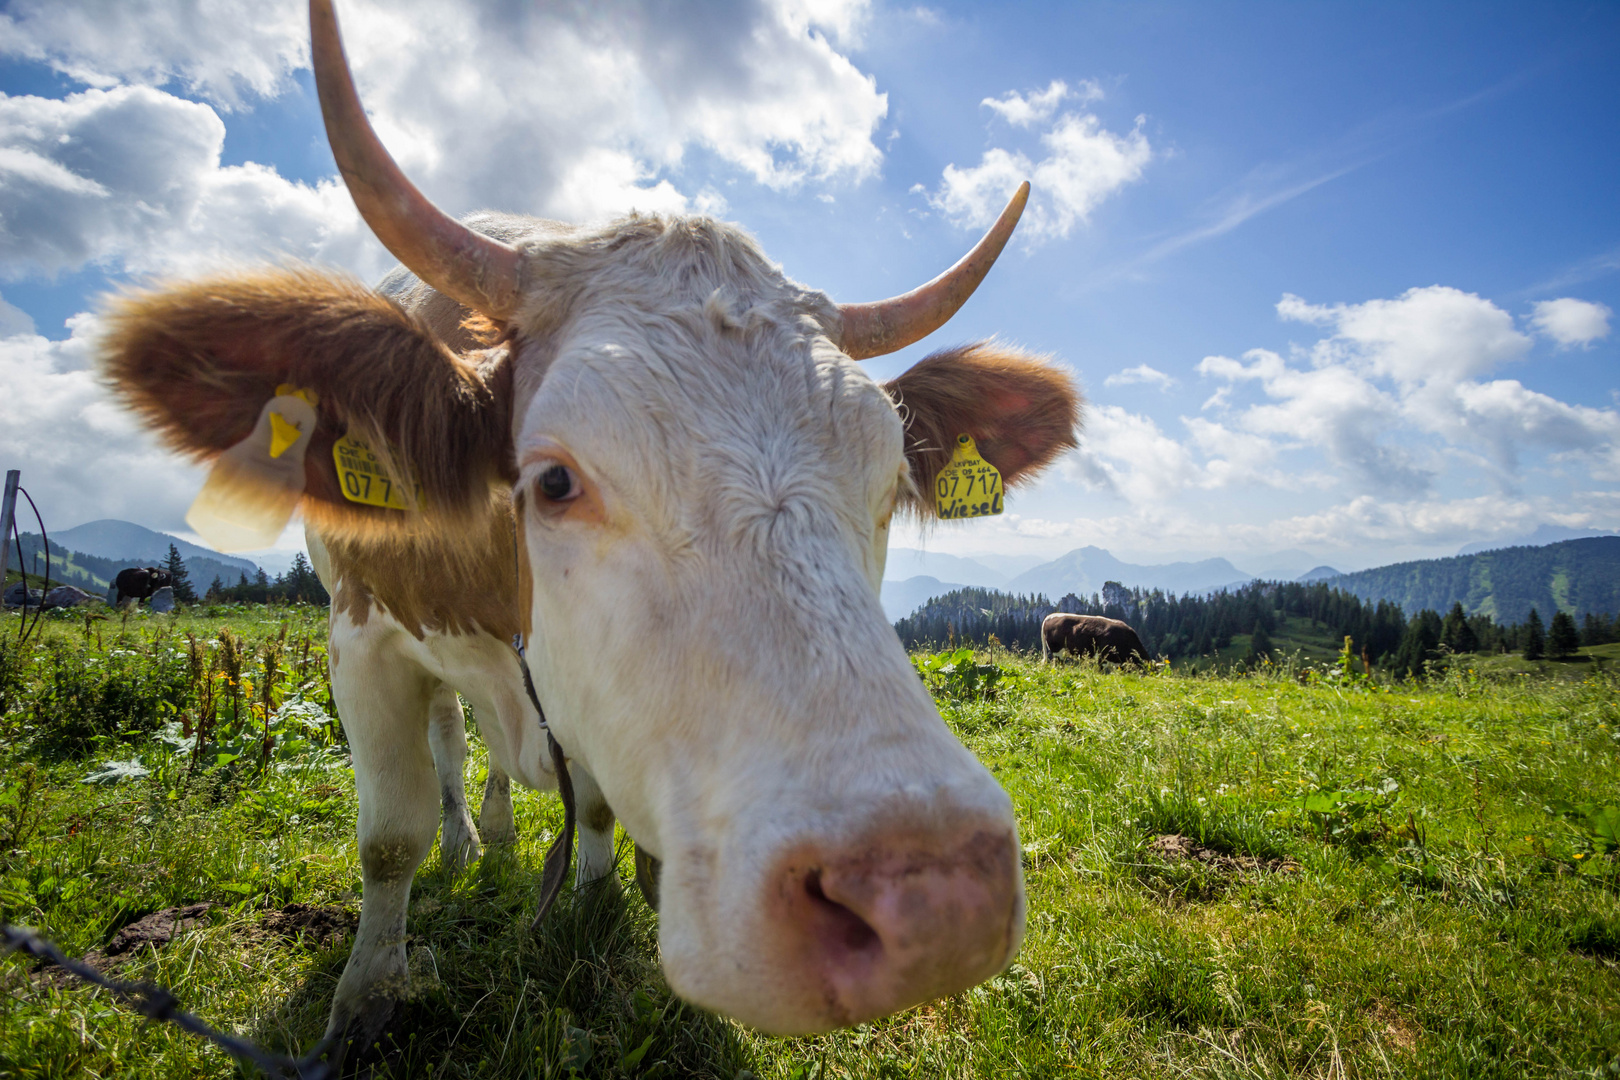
1295	872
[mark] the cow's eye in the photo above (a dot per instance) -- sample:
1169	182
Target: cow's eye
558	484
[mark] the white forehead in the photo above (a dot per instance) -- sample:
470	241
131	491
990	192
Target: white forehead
673	351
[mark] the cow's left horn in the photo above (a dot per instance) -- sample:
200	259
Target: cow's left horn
474	269
883	327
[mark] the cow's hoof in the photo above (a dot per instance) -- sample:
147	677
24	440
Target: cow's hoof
648	870
508	835
455	855
356	1039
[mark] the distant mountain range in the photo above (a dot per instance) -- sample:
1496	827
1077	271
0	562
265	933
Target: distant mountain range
913	577
1552	571
112	539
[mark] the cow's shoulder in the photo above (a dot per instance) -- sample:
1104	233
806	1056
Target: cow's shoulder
429	584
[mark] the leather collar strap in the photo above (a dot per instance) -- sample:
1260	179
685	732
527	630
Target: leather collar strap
561	853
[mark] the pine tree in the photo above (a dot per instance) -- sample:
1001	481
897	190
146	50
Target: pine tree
1535	645
1457	635
302	583
215	591
1419	643
1259	645
179	577
1563	639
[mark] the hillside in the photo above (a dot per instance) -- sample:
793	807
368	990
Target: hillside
93	571
1576	576
125	541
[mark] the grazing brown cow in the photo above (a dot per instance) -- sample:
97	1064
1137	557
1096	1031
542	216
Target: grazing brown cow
1085	635
644	449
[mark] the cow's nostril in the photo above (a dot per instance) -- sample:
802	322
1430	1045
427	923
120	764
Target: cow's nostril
841	925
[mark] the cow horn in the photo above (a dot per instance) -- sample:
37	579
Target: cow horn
888	325
480	272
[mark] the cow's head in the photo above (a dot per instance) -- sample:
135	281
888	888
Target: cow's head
703	479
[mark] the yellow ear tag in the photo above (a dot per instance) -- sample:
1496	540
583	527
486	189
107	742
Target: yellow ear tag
283	433
364	479
969	486
254	487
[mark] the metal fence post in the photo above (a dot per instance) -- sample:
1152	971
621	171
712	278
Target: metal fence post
8	510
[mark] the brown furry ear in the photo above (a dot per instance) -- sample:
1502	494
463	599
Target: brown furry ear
1020	409
198	361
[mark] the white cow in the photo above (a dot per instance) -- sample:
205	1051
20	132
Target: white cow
651	453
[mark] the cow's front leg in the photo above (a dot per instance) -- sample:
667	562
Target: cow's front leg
447	737
385	709
595	828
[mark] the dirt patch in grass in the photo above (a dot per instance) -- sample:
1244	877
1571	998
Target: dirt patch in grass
322	925
1393	1028
1173	847
155	930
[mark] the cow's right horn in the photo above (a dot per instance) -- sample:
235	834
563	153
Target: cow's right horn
482	273
887	325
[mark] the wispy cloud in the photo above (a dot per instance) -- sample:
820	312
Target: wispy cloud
1235	212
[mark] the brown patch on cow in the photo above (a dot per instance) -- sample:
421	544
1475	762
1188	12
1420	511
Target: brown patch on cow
198	361
600	817
435	583
1020	409
1390	1026
525	573
386	861
319	925
1174	847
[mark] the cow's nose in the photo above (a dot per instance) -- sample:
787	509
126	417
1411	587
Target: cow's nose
894	922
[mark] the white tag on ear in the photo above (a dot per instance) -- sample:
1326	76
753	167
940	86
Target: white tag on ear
254	487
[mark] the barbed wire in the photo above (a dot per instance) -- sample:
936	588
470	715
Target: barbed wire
156	1003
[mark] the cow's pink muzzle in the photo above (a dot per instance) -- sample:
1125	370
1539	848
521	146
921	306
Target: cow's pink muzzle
891	922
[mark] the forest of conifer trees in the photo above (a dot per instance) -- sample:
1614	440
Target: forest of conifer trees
1191	626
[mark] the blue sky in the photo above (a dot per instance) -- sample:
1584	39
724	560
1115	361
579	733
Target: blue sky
1338	279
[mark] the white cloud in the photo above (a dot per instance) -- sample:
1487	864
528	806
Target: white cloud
1428	335
1025	110
1364	530
1084	164
130	178
1127	453
1141	373
557	112
227	52
1330	407
1388	403
83	457
497	105
1571	322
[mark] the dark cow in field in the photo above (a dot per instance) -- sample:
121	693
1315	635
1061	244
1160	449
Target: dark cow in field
1085	635
139	583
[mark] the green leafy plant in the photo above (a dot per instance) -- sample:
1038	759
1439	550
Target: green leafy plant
957	675
1353	816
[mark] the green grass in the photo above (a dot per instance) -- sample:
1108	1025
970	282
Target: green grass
1403	879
